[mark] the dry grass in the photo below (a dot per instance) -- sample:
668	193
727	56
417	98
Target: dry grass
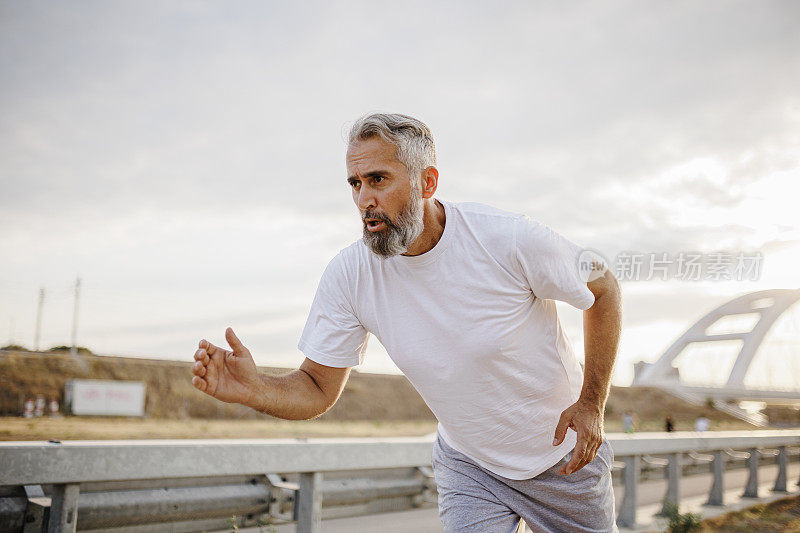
74	428
781	516
102	428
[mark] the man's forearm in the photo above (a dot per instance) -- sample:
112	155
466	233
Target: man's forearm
602	324
292	396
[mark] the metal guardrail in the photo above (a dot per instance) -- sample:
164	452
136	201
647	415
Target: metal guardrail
196	485
682	451
200	484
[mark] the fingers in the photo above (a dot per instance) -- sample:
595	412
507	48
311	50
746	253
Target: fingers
202	365
578	455
583	454
201	360
199	369
199	383
561	428
207	350
202	356
234	342
588	457
208	347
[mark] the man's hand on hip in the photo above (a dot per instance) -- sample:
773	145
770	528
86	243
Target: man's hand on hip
587	420
227	375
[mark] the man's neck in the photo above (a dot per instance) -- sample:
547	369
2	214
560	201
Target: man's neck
434	220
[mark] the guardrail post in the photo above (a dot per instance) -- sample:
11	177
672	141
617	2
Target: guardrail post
751	489
64	508
715	497
280	492
309	503
798	483
627	510
429	487
37	510
780	481
673	494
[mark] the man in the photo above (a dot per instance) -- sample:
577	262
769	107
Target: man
627	422
461	296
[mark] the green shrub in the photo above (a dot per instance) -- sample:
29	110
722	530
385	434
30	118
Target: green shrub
681	523
15	348
79	349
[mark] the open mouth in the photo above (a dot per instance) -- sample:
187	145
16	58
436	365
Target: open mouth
374	224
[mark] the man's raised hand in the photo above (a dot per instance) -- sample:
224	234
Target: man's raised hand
227	375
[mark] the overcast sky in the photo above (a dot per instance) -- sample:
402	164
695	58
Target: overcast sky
186	160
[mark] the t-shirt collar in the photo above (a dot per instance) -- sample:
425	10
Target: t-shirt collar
444	241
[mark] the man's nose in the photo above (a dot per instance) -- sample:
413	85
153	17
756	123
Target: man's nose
366	199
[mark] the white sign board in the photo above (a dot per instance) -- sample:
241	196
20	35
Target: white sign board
102	397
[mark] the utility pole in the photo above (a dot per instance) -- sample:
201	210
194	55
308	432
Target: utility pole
73	351
39	320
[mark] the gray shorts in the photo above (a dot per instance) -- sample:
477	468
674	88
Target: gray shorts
473	499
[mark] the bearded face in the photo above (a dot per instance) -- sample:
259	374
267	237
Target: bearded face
398	234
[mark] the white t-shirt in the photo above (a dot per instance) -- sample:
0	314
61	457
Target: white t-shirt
473	326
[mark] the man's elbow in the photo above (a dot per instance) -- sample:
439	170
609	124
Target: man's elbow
323	404
309	411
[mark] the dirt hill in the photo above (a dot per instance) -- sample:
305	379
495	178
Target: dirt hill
170	393
366	397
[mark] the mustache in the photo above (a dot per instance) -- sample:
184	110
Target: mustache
377	216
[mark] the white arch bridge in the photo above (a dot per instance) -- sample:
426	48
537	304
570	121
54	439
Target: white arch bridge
746	350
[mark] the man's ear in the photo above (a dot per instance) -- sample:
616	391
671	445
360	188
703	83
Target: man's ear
430	182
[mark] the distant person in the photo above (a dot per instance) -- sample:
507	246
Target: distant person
29	408
701	424
462	297
669	425
39	406
627	422
53	407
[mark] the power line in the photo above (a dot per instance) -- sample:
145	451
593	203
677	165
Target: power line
74	349
39	320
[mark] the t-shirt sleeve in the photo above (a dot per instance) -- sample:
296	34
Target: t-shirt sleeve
333	335
550	263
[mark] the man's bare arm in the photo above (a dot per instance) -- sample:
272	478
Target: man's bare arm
602	324
231	376
301	394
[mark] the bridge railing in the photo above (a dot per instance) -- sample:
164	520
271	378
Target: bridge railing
199	485
680	452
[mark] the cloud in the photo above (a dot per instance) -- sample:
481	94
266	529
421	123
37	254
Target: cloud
190	148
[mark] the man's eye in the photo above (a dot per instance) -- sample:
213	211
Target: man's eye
378	179
355	184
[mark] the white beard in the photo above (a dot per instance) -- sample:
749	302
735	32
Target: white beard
400	233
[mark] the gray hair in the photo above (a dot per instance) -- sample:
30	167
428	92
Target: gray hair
413	139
